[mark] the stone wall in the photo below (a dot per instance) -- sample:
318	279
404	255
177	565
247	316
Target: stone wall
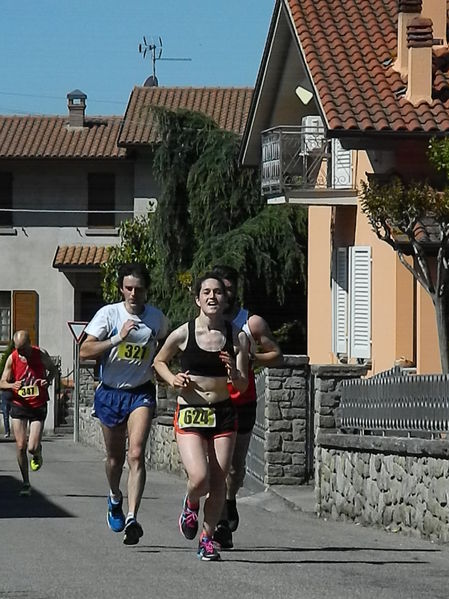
399	484
88	384
286	415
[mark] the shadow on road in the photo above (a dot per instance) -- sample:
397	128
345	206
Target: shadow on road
233	556
35	506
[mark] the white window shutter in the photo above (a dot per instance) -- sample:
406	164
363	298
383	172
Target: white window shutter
360	302
341	166
312	133
340	302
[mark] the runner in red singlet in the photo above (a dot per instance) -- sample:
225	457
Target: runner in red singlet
28	372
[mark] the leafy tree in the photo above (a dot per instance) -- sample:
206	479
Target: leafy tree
136	245
413	218
210	211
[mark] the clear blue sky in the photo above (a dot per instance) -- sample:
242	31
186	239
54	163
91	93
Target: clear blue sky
50	47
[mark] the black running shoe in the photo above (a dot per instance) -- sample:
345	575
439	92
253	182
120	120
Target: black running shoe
223	535
233	515
133	532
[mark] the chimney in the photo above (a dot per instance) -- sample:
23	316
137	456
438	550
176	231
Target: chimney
408	10
76	102
419	40
437	11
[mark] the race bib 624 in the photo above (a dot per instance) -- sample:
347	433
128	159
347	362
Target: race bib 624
197	417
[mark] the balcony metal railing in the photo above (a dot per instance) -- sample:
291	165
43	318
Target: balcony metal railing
301	158
395	404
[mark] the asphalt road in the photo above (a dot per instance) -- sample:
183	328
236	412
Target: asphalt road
56	544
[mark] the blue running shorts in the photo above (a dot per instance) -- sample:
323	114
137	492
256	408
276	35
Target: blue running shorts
113	406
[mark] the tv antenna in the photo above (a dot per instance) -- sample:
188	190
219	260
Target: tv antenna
154	49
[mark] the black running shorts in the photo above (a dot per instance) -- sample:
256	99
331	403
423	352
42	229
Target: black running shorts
27	413
208	421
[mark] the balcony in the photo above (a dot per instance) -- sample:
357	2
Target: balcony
301	166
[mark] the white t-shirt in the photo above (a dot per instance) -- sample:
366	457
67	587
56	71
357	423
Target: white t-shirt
128	364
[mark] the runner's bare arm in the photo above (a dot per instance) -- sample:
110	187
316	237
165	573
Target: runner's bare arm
7	382
270	354
238	368
174	342
50	367
92	347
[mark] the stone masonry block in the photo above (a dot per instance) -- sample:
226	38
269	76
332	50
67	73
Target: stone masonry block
295	382
278	457
330	400
299	399
292	446
272	470
272	412
274	384
273	441
293	413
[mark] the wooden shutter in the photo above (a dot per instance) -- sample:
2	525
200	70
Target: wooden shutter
360	302
341	166
25	313
340	302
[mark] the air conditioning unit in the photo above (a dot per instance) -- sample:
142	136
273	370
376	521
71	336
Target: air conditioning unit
143	206
312	133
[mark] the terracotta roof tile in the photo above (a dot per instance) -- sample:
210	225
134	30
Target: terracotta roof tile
345	43
50	137
228	107
80	256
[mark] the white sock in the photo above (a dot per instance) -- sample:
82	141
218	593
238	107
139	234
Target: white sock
115	498
130	516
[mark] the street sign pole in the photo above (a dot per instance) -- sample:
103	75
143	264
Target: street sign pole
77	330
76	381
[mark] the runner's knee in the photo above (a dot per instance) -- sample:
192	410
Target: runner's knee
136	455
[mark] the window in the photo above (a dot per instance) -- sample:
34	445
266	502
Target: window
5	316
5	199
90	303
19	308
351	302
101	196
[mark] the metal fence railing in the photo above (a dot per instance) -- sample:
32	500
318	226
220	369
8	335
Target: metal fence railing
397	404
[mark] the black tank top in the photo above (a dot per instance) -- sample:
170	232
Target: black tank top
202	362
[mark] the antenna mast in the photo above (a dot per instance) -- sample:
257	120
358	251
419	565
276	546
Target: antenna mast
154	49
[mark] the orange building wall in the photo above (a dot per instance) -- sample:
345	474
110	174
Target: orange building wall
428	354
398	333
319	306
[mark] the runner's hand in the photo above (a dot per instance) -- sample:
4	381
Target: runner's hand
181	380
229	362
128	326
16	385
